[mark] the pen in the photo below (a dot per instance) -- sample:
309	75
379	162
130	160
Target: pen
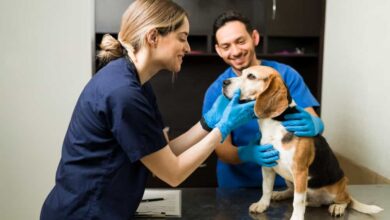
152	200
151	214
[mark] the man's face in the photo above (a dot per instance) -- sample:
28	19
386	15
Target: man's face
236	46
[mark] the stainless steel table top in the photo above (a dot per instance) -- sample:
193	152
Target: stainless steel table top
232	204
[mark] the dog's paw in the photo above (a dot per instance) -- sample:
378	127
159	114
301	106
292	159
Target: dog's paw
337	209
297	217
281	195
258	207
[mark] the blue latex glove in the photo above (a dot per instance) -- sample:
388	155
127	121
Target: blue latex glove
303	123
213	116
235	115
264	155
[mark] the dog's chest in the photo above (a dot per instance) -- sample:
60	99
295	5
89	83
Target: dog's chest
272	132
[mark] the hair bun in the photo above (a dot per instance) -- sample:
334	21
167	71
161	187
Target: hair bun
110	49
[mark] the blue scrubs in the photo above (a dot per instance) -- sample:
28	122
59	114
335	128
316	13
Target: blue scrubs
249	174
115	123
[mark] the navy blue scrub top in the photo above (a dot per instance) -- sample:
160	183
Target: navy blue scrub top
116	122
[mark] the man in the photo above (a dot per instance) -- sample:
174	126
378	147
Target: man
240	155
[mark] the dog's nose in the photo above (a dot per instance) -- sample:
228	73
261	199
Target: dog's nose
226	82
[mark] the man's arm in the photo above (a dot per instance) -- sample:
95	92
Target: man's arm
263	155
227	152
311	111
305	123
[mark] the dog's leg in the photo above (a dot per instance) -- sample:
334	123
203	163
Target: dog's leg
300	191
337	210
342	198
285	194
303	157
268	185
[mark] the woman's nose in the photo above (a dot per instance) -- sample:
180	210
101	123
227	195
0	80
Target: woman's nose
187	48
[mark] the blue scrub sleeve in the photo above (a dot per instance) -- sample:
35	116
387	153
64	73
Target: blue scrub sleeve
135	123
211	95
299	90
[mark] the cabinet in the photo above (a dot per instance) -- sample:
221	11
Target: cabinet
293	34
294	17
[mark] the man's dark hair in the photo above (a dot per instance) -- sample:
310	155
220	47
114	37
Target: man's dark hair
228	16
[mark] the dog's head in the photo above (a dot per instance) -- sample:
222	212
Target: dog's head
263	84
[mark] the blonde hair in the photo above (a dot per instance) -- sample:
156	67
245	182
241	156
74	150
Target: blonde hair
140	17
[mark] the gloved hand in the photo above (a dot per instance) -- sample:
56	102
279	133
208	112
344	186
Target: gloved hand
213	116
303	123
264	155
235	115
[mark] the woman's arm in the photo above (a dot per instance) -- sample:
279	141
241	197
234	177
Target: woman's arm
187	139
174	169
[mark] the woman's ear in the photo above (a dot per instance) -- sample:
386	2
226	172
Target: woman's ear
152	38
273	101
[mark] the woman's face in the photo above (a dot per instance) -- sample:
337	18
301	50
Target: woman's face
172	48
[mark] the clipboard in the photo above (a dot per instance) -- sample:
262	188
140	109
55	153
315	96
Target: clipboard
160	203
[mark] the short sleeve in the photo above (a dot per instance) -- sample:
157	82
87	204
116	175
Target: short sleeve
135	122
298	89
210	97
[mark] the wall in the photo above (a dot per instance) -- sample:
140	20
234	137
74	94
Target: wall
109	14
356	82
46	59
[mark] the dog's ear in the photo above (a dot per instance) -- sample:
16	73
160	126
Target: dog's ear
273	101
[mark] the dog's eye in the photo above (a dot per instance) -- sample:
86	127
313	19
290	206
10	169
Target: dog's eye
251	76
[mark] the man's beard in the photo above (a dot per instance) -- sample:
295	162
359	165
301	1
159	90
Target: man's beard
244	67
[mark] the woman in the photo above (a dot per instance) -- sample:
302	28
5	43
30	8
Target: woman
115	135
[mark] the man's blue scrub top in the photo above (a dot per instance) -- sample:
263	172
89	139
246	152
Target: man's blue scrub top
115	123
249	174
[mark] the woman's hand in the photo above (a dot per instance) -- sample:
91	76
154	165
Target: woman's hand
212	117
235	115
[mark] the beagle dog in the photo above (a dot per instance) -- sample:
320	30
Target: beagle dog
308	165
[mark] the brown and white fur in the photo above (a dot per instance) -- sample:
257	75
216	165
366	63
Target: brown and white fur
296	154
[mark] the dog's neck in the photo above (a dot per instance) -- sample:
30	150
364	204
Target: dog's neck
290	109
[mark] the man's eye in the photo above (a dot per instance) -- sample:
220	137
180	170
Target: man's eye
251	76
224	47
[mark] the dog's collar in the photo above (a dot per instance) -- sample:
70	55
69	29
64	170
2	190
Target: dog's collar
289	110
245	100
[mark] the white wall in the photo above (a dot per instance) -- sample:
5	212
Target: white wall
356	81
45	60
